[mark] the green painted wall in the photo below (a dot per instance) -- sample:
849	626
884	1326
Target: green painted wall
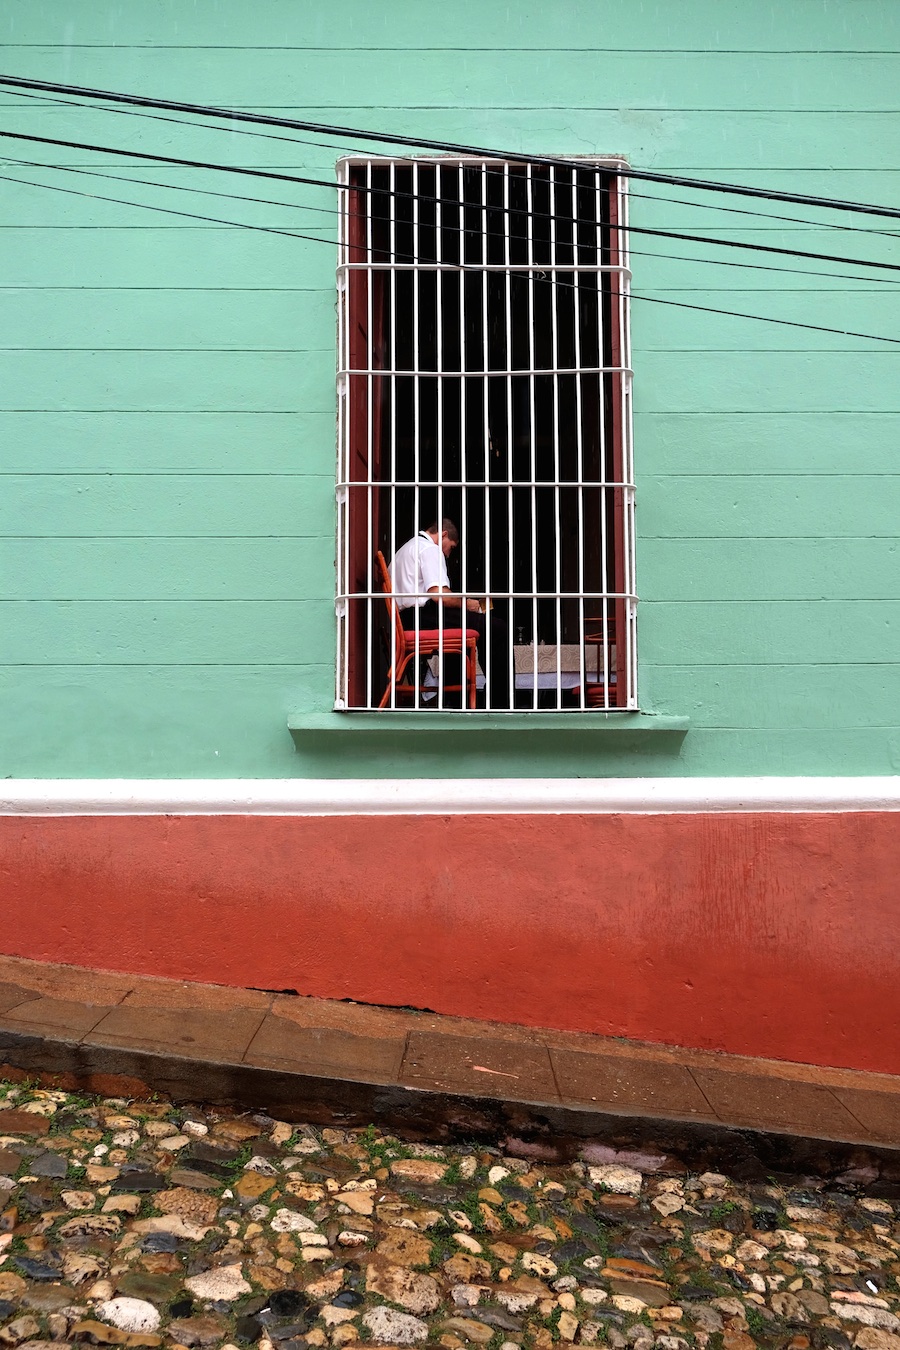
167	397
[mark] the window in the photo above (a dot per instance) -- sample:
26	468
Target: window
484	378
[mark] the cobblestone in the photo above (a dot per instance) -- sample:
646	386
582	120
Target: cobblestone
145	1224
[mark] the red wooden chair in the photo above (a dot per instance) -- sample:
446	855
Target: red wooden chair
408	647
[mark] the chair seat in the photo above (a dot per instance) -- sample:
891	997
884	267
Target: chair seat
431	637
595	694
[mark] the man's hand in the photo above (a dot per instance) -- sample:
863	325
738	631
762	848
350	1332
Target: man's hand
473	606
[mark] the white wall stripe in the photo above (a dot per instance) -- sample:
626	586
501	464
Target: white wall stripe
443	796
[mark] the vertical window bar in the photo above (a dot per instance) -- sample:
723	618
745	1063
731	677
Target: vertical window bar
627	445
341	556
352	204
463	441
392	209
417	424
579	428
507	230
487	427
622	492
601	662
604	644
439	345
529	255
370	436
554	356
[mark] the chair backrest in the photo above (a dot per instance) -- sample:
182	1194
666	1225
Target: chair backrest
393	608
594	630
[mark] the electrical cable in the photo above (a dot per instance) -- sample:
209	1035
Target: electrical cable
188	122
539	277
449	201
176	187
172	159
447	147
763	215
169	210
321	182
333	212
350	150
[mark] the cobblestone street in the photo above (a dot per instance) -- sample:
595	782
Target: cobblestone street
143	1224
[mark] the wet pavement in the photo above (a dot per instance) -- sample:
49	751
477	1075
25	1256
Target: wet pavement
423	1074
142	1223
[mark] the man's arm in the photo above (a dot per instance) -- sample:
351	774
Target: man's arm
452	600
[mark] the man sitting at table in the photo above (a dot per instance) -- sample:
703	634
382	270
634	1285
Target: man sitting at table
418	573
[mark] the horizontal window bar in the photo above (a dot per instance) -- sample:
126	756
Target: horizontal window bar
583	163
511	268
497	373
500	595
546	483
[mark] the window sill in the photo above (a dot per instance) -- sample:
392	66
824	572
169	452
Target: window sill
421	725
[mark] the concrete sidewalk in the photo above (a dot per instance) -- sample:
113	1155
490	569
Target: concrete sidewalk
440	1077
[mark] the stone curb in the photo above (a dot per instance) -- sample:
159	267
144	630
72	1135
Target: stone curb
540	1130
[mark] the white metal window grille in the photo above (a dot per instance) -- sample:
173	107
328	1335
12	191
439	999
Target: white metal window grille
484	377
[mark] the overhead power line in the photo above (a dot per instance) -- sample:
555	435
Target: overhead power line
333	212
445	147
186	122
683	236
349	150
539	278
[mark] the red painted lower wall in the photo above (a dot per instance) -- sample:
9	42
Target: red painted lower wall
771	935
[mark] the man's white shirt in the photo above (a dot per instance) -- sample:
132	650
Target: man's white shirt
418	566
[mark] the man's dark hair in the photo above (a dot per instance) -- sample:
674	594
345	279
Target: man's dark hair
447	527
